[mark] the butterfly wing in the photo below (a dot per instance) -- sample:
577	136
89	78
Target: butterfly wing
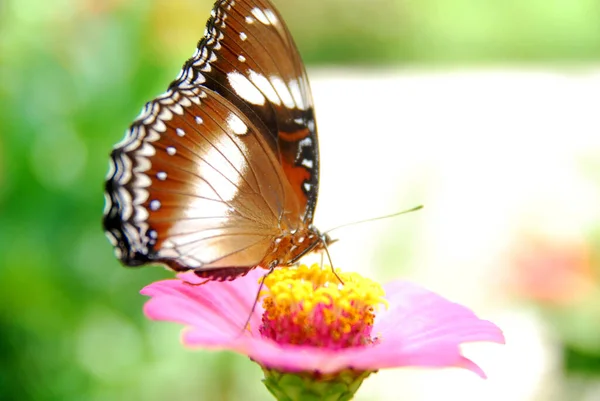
195	185
249	57
214	170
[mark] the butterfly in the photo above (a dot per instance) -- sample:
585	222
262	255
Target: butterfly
220	174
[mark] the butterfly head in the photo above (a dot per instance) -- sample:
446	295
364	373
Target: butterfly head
323	239
327	240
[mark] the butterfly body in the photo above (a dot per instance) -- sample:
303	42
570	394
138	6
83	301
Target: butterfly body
285	251
219	174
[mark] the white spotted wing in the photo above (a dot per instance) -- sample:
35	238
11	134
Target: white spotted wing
220	173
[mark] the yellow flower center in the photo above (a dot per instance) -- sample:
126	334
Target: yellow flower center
310	306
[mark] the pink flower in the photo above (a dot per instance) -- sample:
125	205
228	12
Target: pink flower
553	272
303	330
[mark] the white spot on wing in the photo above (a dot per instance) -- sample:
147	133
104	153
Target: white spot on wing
237	125
180	132
142	180
107	204
161	175
222	178
245	89
241	58
271	16
297	94
146	150
283	92
262	83
171	150
190	261
305	142
249	20
260	15
154	204
307	163
243	36
167	251
199	120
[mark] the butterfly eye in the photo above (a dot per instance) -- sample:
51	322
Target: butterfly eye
220	173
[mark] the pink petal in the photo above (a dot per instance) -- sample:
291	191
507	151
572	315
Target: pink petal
419	329
219	309
420	317
303	358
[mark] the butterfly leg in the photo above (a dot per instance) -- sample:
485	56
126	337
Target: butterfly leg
330	262
198	284
260	287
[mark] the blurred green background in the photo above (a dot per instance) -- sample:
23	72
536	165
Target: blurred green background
74	74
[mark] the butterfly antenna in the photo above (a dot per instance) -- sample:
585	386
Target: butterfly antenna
326	248
414	209
260	287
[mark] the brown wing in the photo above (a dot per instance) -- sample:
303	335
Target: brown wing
226	161
196	186
249	57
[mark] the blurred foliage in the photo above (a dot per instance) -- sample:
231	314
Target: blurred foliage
75	73
581	362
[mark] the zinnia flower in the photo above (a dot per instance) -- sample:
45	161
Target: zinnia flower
315	337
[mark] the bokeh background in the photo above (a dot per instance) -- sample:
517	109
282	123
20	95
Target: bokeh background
486	112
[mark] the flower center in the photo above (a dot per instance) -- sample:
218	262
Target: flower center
309	306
